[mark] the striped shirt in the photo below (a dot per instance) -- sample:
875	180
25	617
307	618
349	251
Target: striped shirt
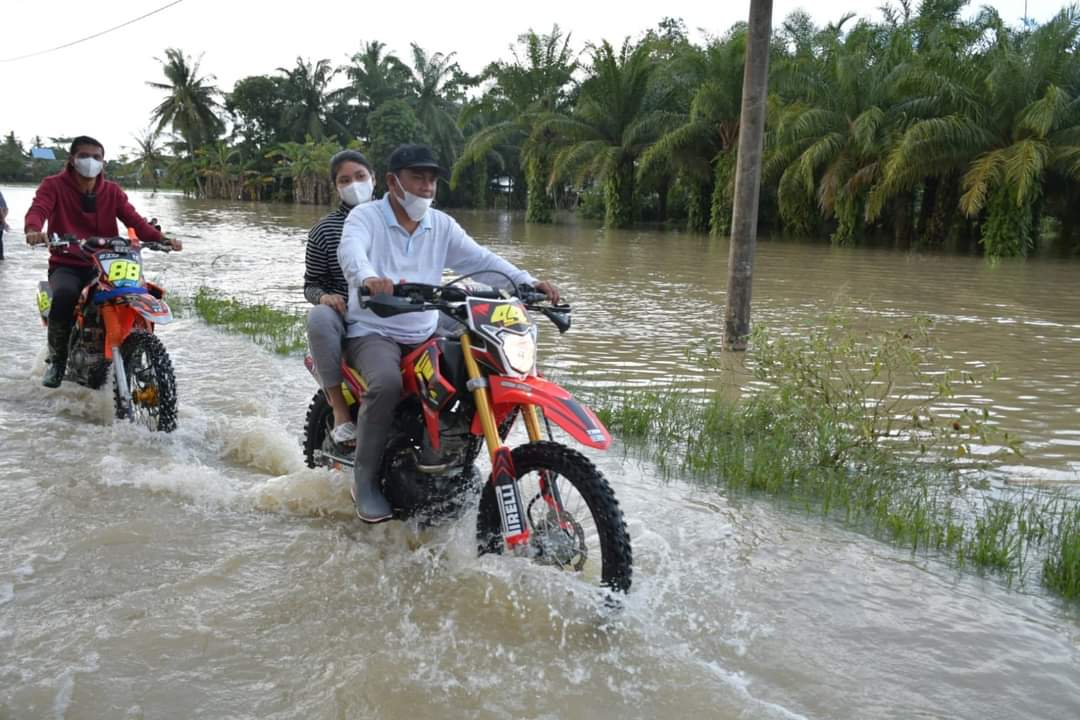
322	273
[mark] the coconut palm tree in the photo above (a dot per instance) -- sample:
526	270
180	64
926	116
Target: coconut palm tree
191	103
535	84
305	89
148	157
377	77
616	117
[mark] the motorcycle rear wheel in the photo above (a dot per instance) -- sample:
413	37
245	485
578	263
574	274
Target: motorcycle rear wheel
151	383
317	427
587	535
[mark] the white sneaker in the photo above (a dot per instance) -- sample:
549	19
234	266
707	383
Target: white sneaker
344	434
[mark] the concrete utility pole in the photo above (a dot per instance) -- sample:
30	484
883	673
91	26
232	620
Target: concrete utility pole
748	176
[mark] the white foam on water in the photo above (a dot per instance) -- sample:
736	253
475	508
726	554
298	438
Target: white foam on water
259	443
307	492
65	684
738	682
203	485
7	593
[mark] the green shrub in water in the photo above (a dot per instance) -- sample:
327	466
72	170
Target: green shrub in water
843	420
280	331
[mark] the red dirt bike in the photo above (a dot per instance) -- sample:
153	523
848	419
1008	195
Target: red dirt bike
464	389
114	331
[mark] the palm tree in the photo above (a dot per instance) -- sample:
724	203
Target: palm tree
533	85
439	86
377	77
701	150
148	156
305	164
190	104
305	88
1006	122
615	119
829	144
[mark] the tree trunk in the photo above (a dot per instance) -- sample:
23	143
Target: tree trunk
540	206
748	177
198	182
903	222
697	206
619	196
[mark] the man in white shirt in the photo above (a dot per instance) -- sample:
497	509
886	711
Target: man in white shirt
400	238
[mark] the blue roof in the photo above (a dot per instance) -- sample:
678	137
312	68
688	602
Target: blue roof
42	154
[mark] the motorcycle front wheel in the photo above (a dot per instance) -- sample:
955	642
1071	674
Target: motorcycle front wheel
151	384
574	521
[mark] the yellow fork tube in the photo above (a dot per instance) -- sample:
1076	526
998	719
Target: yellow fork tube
483	400
532	422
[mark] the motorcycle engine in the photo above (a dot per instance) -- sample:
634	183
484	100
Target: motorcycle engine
86	357
421	480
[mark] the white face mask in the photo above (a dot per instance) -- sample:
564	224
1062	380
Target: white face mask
88	167
414	205
356	193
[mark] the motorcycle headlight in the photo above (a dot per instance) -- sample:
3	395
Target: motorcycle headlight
520	352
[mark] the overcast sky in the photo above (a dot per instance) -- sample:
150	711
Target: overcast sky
99	87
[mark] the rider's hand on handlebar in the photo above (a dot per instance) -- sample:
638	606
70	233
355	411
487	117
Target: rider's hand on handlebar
377	285
174	243
36	237
550	290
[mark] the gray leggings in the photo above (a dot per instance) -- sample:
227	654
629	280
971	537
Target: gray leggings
326	332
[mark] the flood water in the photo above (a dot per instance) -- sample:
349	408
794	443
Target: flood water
208	573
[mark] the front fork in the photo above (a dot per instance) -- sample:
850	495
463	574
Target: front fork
503	475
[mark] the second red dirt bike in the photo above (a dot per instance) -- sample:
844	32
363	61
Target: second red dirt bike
114	331
462	391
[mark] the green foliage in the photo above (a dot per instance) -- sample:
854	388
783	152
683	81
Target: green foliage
846	421
1061	569
280	331
617	115
392	124
13	159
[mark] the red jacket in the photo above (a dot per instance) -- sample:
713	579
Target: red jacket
58	201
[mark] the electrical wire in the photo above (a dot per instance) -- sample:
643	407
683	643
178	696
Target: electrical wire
91	37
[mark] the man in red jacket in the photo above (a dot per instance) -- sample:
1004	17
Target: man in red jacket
78	201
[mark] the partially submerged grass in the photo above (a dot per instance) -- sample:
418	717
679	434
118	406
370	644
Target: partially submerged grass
844	423
278	330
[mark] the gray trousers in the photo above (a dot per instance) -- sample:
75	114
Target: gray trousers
378	359
326	332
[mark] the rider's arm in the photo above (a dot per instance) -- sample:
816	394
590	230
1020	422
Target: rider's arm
465	255
352	252
41	208
127	215
316	264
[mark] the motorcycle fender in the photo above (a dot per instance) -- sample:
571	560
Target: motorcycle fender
118	320
558	405
154	310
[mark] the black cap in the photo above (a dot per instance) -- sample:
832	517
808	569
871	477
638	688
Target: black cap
415	156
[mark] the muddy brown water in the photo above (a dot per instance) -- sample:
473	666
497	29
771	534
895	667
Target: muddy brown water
208	573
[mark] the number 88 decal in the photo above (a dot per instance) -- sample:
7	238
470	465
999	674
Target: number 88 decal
123	270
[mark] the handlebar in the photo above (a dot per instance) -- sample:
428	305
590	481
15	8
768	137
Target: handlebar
417	297
101	243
